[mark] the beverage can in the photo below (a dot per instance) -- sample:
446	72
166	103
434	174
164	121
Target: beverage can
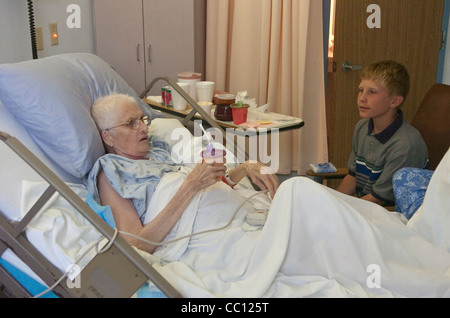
168	99
163	96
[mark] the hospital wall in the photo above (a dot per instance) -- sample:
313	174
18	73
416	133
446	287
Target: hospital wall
15	43
15	30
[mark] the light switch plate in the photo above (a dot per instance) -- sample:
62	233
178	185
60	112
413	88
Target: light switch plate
54	36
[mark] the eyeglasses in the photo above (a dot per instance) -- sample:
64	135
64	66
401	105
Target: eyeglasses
134	123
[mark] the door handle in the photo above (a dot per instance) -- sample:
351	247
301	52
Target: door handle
347	67
149	52
137	53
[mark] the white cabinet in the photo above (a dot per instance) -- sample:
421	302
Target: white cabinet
144	39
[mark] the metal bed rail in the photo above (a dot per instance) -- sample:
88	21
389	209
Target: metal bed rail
125	269
195	107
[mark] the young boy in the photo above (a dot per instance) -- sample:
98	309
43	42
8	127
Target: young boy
383	142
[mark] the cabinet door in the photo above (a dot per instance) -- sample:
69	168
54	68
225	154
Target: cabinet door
120	39
170	33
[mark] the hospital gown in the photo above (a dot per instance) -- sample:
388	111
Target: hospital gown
134	179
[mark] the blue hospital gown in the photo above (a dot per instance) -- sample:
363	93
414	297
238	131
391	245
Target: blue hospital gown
134	179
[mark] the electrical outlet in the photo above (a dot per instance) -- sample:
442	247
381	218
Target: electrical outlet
54	40
39	39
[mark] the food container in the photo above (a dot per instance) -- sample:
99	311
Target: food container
240	112
206	106
216	156
191	78
223	109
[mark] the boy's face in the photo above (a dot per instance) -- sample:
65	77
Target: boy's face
374	100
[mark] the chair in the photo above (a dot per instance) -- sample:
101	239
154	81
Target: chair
432	119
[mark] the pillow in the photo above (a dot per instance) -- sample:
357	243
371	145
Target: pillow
185	148
52	98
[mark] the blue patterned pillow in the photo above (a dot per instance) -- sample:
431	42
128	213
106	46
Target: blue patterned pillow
410	186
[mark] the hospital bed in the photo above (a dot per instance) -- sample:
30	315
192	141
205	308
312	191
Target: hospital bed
49	141
74	82
56	242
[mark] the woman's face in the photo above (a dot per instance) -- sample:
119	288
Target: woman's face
122	139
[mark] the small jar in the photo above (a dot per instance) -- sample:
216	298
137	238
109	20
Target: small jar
223	109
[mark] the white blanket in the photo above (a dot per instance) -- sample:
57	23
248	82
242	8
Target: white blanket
316	243
58	231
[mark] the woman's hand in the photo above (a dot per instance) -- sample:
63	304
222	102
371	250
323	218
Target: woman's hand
262	177
205	175
259	174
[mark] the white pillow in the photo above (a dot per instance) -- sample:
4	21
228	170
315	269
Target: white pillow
14	170
185	148
52	98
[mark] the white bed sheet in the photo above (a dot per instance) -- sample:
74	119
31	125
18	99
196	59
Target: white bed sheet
61	233
316	242
13	172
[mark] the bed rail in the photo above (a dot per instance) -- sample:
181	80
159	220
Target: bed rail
195	107
12	236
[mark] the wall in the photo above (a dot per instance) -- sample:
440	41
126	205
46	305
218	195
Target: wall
14	37
16	44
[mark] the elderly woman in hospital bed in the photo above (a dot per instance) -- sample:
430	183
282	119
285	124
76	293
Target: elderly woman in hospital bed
315	242
125	136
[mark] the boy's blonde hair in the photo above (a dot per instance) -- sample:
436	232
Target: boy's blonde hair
391	74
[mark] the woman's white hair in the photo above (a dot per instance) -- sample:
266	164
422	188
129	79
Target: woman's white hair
104	107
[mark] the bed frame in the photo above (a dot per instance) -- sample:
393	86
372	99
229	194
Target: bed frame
189	100
118	272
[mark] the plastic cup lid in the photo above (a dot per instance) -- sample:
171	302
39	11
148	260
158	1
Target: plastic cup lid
189	75
226	96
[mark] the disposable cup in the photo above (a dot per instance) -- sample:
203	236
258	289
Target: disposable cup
179	103
216	156
240	113
206	106
205	91
191	78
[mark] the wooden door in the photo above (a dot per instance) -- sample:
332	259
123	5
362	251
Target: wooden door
120	40
409	32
